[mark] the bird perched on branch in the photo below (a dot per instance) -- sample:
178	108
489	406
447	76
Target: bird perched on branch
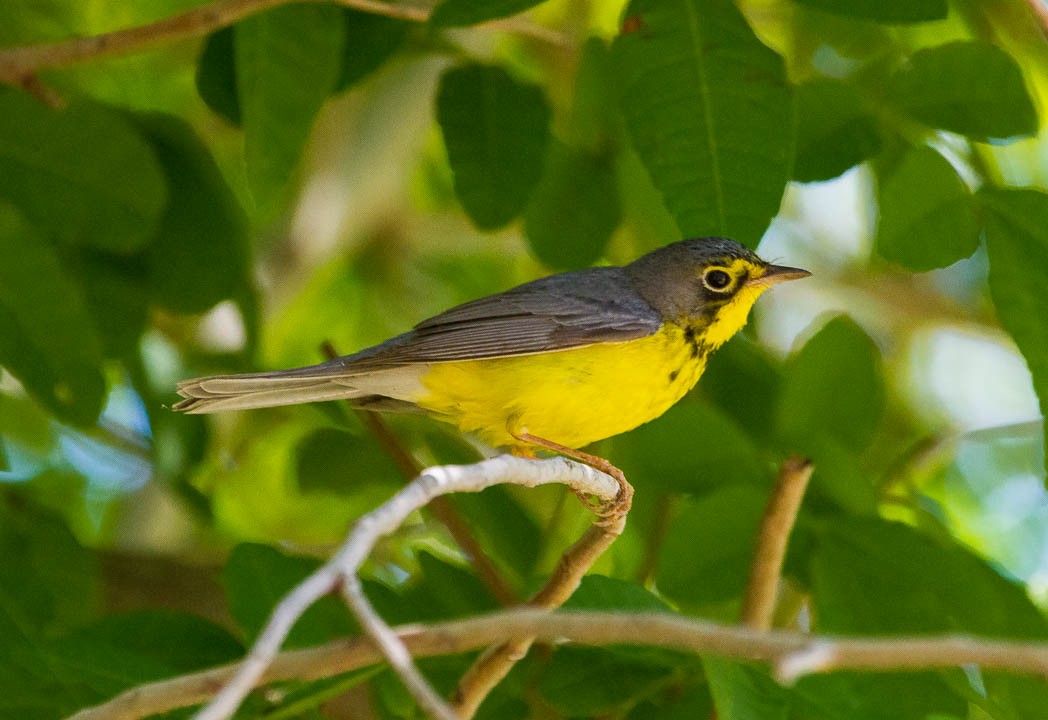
556	363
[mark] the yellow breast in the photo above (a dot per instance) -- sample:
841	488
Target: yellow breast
572	397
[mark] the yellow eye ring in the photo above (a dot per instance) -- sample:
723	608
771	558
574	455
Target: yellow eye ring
717	280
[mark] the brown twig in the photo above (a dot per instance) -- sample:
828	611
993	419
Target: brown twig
496	662
758	603
340	572
790	652
19	65
443	509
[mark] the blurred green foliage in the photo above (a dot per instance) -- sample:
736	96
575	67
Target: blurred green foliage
317	173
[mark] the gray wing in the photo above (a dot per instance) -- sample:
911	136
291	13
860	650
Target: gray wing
553	313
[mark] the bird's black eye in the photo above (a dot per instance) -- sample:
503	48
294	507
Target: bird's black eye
716	280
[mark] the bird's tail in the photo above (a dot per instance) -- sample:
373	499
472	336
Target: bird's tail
302	385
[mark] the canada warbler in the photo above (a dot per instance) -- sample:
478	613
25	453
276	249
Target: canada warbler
559	362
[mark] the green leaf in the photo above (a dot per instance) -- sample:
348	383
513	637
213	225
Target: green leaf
337	461
496	130
708	549
833	387
835	131
894	12
288	61
48	581
456	13
257	577
874	576
1017	245
574	209
370	40
82	174
598	592
447	591
114	288
216	75
741	692
47	339
927	219
710	113
200	255
972	88
510	535
589	682
593	122
689	449
743	381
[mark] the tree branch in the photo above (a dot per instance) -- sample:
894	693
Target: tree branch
341	570
19	65
441	507
792	654
762	589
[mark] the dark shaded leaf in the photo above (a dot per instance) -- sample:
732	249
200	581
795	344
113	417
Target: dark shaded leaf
893	12
455	13
743	381
337	461
835	132
288	61
574	209
82	174
1017	245
833	387
741	692
371	39
689	449
587	682
47	338
216	75
496	130
598	592
200	255
927	219
708	549
510	535
257	577
972	88
710	113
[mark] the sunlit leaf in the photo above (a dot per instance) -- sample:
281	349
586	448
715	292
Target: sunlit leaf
710	113
82	174
496	130
927	219
972	88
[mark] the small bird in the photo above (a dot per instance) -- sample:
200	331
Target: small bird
557	363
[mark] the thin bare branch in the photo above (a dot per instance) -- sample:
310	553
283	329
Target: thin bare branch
792	654
762	589
340	571
20	65
441	507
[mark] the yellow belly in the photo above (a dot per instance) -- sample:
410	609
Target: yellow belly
572	397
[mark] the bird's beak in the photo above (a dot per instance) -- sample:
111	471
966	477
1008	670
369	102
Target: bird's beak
776	274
